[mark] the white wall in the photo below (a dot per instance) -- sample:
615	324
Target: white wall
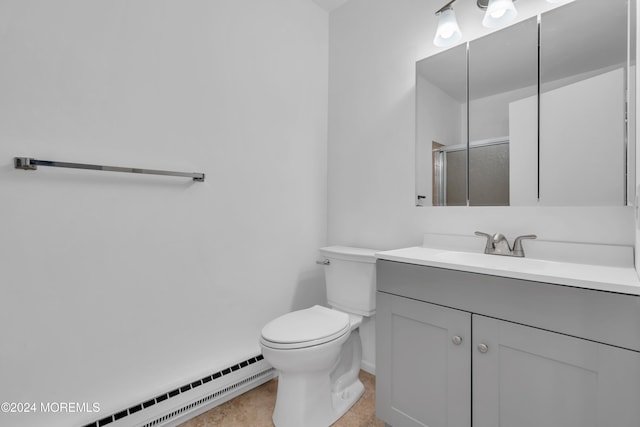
490	115
571	128
114	286
523	152
374	45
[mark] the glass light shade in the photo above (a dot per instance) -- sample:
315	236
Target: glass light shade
448	32
499	13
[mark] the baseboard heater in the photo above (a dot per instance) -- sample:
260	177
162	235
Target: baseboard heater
180	404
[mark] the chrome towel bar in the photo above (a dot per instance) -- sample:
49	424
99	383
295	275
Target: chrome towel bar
27	163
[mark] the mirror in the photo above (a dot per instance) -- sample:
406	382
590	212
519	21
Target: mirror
584	77
533	127
441	129
503	130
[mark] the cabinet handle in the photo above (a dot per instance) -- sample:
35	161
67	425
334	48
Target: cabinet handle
457	340
483	348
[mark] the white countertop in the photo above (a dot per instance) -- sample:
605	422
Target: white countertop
611	278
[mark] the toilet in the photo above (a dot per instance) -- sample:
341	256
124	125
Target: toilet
317	351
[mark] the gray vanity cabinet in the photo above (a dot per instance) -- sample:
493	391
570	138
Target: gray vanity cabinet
425	379
458	349
529	377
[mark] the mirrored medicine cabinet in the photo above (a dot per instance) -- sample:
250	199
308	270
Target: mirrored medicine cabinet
538	113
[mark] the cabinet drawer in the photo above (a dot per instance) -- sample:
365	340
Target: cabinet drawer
604	317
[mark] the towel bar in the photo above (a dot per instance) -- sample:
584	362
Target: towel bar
27	163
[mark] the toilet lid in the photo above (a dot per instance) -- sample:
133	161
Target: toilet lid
302	328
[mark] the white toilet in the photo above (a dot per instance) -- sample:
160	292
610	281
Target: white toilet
317	351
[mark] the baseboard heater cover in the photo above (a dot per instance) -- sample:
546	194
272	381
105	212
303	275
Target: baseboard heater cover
120	418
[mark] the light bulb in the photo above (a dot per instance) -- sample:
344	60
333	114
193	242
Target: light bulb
499	13
446	33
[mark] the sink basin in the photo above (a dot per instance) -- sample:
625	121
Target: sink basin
497	262
620	279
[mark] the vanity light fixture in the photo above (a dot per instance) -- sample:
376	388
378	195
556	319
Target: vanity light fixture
498	13
448	32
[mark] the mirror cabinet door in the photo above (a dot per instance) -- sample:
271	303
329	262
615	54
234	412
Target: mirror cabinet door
503	116
441	129
583	104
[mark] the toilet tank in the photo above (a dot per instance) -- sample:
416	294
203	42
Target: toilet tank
350	278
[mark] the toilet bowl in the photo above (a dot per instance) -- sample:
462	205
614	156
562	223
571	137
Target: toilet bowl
317	351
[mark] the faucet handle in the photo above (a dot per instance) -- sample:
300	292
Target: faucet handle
517	245
489	237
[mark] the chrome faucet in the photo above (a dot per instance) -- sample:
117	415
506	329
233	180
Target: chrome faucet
499	245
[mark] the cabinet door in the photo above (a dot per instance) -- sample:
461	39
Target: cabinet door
423	364
528	377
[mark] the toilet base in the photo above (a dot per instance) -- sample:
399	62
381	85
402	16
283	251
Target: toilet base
343	401
319	398
308	401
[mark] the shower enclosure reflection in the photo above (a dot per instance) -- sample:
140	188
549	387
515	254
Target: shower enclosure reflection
488	164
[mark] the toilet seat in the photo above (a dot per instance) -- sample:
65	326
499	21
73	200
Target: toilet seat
305	328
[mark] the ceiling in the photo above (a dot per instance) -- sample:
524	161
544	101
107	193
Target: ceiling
329	5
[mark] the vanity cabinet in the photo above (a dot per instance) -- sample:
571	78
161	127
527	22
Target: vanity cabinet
531	377
423	363
459	349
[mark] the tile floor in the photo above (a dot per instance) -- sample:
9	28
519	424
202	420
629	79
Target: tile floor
254	408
